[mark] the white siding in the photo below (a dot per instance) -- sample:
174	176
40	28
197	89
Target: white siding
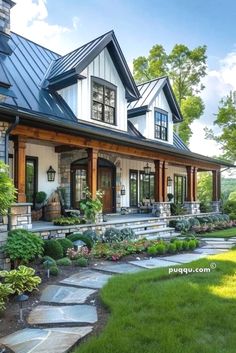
147	127
46	157
69	94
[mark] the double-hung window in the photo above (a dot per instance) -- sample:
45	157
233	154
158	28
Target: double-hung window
103	101
161	125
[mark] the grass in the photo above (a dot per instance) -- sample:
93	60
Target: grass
225	233
154	312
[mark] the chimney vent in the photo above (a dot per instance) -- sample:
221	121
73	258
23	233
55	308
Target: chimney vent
5	8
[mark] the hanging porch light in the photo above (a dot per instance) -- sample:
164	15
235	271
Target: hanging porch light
51	174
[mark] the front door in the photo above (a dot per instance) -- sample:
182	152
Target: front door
105	183
31	179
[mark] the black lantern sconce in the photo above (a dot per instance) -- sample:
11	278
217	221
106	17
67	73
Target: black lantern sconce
122	190
147	169
51	174
169	181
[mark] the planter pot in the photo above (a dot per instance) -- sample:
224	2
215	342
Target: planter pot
52	211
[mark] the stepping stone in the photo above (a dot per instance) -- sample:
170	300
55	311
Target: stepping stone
184	258
46	314
209	251
217	246
65	295
50	340
117	268
153	263
90	279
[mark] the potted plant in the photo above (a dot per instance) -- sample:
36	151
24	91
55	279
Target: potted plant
170	197
92	207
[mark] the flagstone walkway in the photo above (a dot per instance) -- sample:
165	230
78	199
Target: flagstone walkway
64	306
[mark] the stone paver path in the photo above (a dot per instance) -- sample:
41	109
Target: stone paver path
65	295
49	340
88	279
47	314
65	301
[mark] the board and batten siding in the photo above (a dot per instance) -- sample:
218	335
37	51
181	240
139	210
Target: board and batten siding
78	96
145	124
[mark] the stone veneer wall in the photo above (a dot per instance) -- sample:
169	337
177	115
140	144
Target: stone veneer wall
21	216
4	261
65	160
3	128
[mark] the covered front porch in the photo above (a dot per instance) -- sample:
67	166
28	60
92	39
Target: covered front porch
130	177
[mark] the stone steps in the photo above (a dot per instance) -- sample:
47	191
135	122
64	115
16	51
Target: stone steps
164	233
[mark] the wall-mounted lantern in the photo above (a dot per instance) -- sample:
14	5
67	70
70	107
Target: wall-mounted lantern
169	181
147	169
122	190
51	174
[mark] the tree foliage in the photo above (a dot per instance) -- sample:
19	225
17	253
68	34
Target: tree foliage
226	121
7	189
204	187
186	68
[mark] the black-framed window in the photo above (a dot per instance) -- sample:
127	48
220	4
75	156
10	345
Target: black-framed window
103	101
180	188
133	187
161	125
146	186
31	178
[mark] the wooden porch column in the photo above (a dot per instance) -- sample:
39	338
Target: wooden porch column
19	168
164	180
195	184
190	184
159	190
92	170
216	185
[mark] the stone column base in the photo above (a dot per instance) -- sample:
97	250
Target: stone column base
20	216
215	206
161	209
192	207
4	261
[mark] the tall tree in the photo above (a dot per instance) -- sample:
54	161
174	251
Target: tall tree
226	121
186	68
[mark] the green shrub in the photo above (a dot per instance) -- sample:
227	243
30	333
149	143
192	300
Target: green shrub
66	221
179	245
205	207
54	271
91	234
230	207
185	245
171	248
66	244
193	221
152	250
232	216
176	209
160	248
173	222
23	246
83	237
53	249
7	189
127	234
21	280
5	291
197	243
192	244
81	262
226	217
40	197
112	235
182	226
49	259
65	261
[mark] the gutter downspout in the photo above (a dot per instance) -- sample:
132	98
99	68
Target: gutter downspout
8	131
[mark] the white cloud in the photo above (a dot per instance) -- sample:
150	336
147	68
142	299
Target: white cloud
30	19
218	84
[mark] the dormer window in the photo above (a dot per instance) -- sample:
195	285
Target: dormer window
103	101
161	125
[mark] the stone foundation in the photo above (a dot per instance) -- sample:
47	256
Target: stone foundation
3	128
192	207
4	261
215	206
21	216
161	209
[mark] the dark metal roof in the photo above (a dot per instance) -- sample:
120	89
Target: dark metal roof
148	91
178	143
70	66
25	69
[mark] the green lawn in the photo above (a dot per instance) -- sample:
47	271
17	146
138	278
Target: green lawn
225	233
154	312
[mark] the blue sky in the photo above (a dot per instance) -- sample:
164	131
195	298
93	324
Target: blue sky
63	25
